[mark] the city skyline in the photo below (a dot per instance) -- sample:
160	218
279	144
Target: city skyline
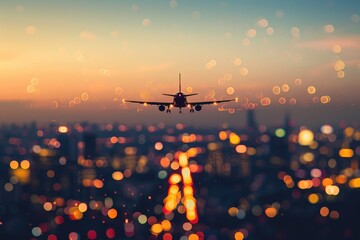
85	180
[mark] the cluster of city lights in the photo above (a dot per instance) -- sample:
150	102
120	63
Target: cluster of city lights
306	180
186	197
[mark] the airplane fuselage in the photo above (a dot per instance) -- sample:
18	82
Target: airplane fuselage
180	100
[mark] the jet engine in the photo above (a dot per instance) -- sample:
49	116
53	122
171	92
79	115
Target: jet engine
198	108
161	108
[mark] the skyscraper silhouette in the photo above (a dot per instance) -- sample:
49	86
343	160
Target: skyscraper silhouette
90	145
250	120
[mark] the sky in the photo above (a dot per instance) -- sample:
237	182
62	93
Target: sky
77	60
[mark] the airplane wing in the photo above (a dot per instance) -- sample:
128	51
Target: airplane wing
149	103
210	102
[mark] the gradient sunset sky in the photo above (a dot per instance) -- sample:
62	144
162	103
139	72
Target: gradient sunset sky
77	60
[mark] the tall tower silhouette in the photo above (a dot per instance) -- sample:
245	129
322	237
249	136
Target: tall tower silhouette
90	145
288	123
251	122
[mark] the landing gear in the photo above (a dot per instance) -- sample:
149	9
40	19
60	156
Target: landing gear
192	110
168	110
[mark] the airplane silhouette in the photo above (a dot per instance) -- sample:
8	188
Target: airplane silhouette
179	101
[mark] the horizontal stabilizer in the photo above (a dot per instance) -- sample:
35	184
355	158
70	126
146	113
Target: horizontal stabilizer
192	94
167	94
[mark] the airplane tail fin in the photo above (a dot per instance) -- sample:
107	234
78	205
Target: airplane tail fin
179	82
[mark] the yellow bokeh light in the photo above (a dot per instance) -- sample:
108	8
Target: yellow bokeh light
34	81
165	162
187	226
327	129
174	178
84	96
306	137
285	88
324	211
47	206
117	175
339	65
190	204
241	149
298	82
233	211
158	146
222	135
234	139
280	132
239	236
77	100
173	189
82	207
156	229
340	74
230	90
142	219
341	179
327	181
188	191
305	184
209	65
98	183
307	157
311	90
346	153
193	236
251	151
282	100
354	183
276	90
166	225
25	164
63	129
332	190
265	101
349	131
271	212
183	160
313	198
174	165
14	164
112	213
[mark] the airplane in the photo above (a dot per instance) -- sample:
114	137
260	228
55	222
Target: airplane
179	101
